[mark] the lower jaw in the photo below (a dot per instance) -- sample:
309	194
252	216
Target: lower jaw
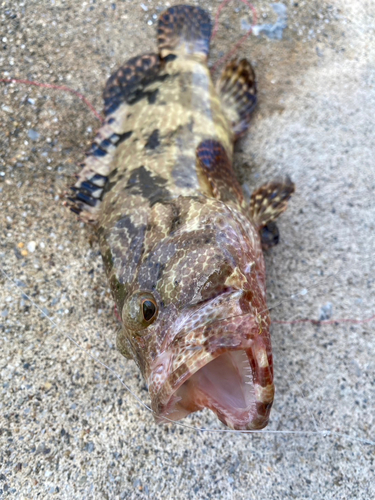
241	410
242	421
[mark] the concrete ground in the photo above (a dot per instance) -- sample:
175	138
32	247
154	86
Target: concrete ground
68	428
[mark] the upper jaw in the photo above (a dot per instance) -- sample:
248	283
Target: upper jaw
225	365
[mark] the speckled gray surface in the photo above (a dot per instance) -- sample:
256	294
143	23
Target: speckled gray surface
68	429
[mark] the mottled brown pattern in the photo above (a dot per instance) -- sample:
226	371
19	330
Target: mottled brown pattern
216	167
175	233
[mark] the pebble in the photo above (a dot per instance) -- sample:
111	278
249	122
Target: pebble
7	109
31	246
33	134
326	312
47	386
90	447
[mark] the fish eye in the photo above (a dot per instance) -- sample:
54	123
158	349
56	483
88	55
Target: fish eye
149	309
139	311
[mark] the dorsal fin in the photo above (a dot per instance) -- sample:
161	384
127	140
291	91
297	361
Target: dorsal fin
125	87
184	30
129	80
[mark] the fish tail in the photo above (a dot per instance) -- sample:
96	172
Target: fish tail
184	30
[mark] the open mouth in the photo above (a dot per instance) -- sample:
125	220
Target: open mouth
220	360
236	385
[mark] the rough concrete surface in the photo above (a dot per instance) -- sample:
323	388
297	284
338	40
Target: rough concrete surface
68	428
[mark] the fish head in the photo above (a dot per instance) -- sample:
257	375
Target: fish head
196	318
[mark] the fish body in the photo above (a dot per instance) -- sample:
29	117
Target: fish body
181	247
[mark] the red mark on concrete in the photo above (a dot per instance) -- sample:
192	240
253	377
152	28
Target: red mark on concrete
240	41
63	88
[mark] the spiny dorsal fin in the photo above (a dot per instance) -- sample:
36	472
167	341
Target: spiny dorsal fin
238	94
269	201
184	30
127	85
130	79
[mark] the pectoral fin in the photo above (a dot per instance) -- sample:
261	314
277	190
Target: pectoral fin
216	170
238	94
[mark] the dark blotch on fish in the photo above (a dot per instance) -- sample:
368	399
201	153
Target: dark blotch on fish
126	223
176	221
149	186
143	94
151	97
123	137
112	181
153	141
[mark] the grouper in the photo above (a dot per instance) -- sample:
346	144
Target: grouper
181	245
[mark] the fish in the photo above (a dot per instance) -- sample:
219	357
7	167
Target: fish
182	247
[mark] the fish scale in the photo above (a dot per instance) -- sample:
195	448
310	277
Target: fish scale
181	247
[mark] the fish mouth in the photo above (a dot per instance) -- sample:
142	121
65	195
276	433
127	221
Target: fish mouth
235	380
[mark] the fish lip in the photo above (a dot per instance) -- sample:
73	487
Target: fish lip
256	344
